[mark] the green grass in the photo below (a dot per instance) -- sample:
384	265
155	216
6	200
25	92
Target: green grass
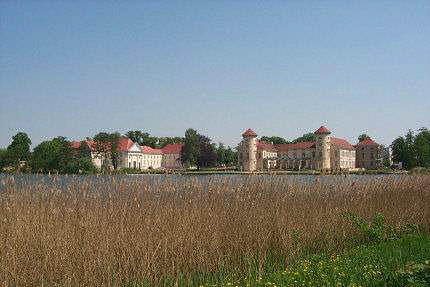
403	261
380	255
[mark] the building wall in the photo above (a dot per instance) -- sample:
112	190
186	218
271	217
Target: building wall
96	159
152	161
264	159
367	157
247	153
99	160
342	158
171	160
297	159
323	158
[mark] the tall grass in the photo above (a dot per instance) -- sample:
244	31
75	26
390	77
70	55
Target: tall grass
118	232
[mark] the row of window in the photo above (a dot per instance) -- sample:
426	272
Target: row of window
347	164
372	155
148	156
135	164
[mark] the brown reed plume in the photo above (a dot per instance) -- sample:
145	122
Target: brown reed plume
115	231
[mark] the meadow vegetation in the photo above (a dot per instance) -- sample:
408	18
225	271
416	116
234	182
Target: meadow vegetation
213	231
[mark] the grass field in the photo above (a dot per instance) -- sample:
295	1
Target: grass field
254	231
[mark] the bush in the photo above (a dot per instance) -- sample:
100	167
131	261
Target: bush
400	262
377	230
415	274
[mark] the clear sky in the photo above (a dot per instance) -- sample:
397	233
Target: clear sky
74	68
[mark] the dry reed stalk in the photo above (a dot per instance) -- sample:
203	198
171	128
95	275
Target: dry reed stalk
119	231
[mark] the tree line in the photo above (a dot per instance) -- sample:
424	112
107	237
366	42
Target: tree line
199	151
412	150
307	137
58	155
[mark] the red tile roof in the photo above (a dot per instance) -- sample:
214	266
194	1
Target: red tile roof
249	133
150	150
124	144
367	141
322	130
77	144
299	145
265	146
342	143
172	148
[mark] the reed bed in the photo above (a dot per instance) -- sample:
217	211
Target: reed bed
119	232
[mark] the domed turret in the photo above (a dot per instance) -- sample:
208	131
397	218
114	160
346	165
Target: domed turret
249	150
322	143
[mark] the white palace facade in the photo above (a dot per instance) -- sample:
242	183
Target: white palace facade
325	153
132	155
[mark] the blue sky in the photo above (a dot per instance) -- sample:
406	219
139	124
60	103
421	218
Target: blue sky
74	68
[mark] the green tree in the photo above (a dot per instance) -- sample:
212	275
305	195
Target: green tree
410	160
207	152
308	137
363	137
274	140
44	157
226	156
3	159
81	161
52	156
384	156
19	149
221	152
106	146
411	150
142	138
84	151
136	136
80	165
422	147
163	141
230	157
190	151
399	150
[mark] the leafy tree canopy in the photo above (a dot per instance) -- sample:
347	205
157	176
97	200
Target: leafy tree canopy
163	141
19	149
190	152
198	150
51	156
3	159
226	156
142	138
145	139
422	147
207	152
106	145
308	137
274	140
412	150
57	155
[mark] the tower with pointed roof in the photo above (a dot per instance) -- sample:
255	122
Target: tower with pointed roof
322	148
249	150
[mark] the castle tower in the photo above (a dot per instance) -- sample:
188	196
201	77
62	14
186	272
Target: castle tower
249	151
322	147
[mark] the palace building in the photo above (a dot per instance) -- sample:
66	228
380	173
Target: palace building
132	155
325	153
369	154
